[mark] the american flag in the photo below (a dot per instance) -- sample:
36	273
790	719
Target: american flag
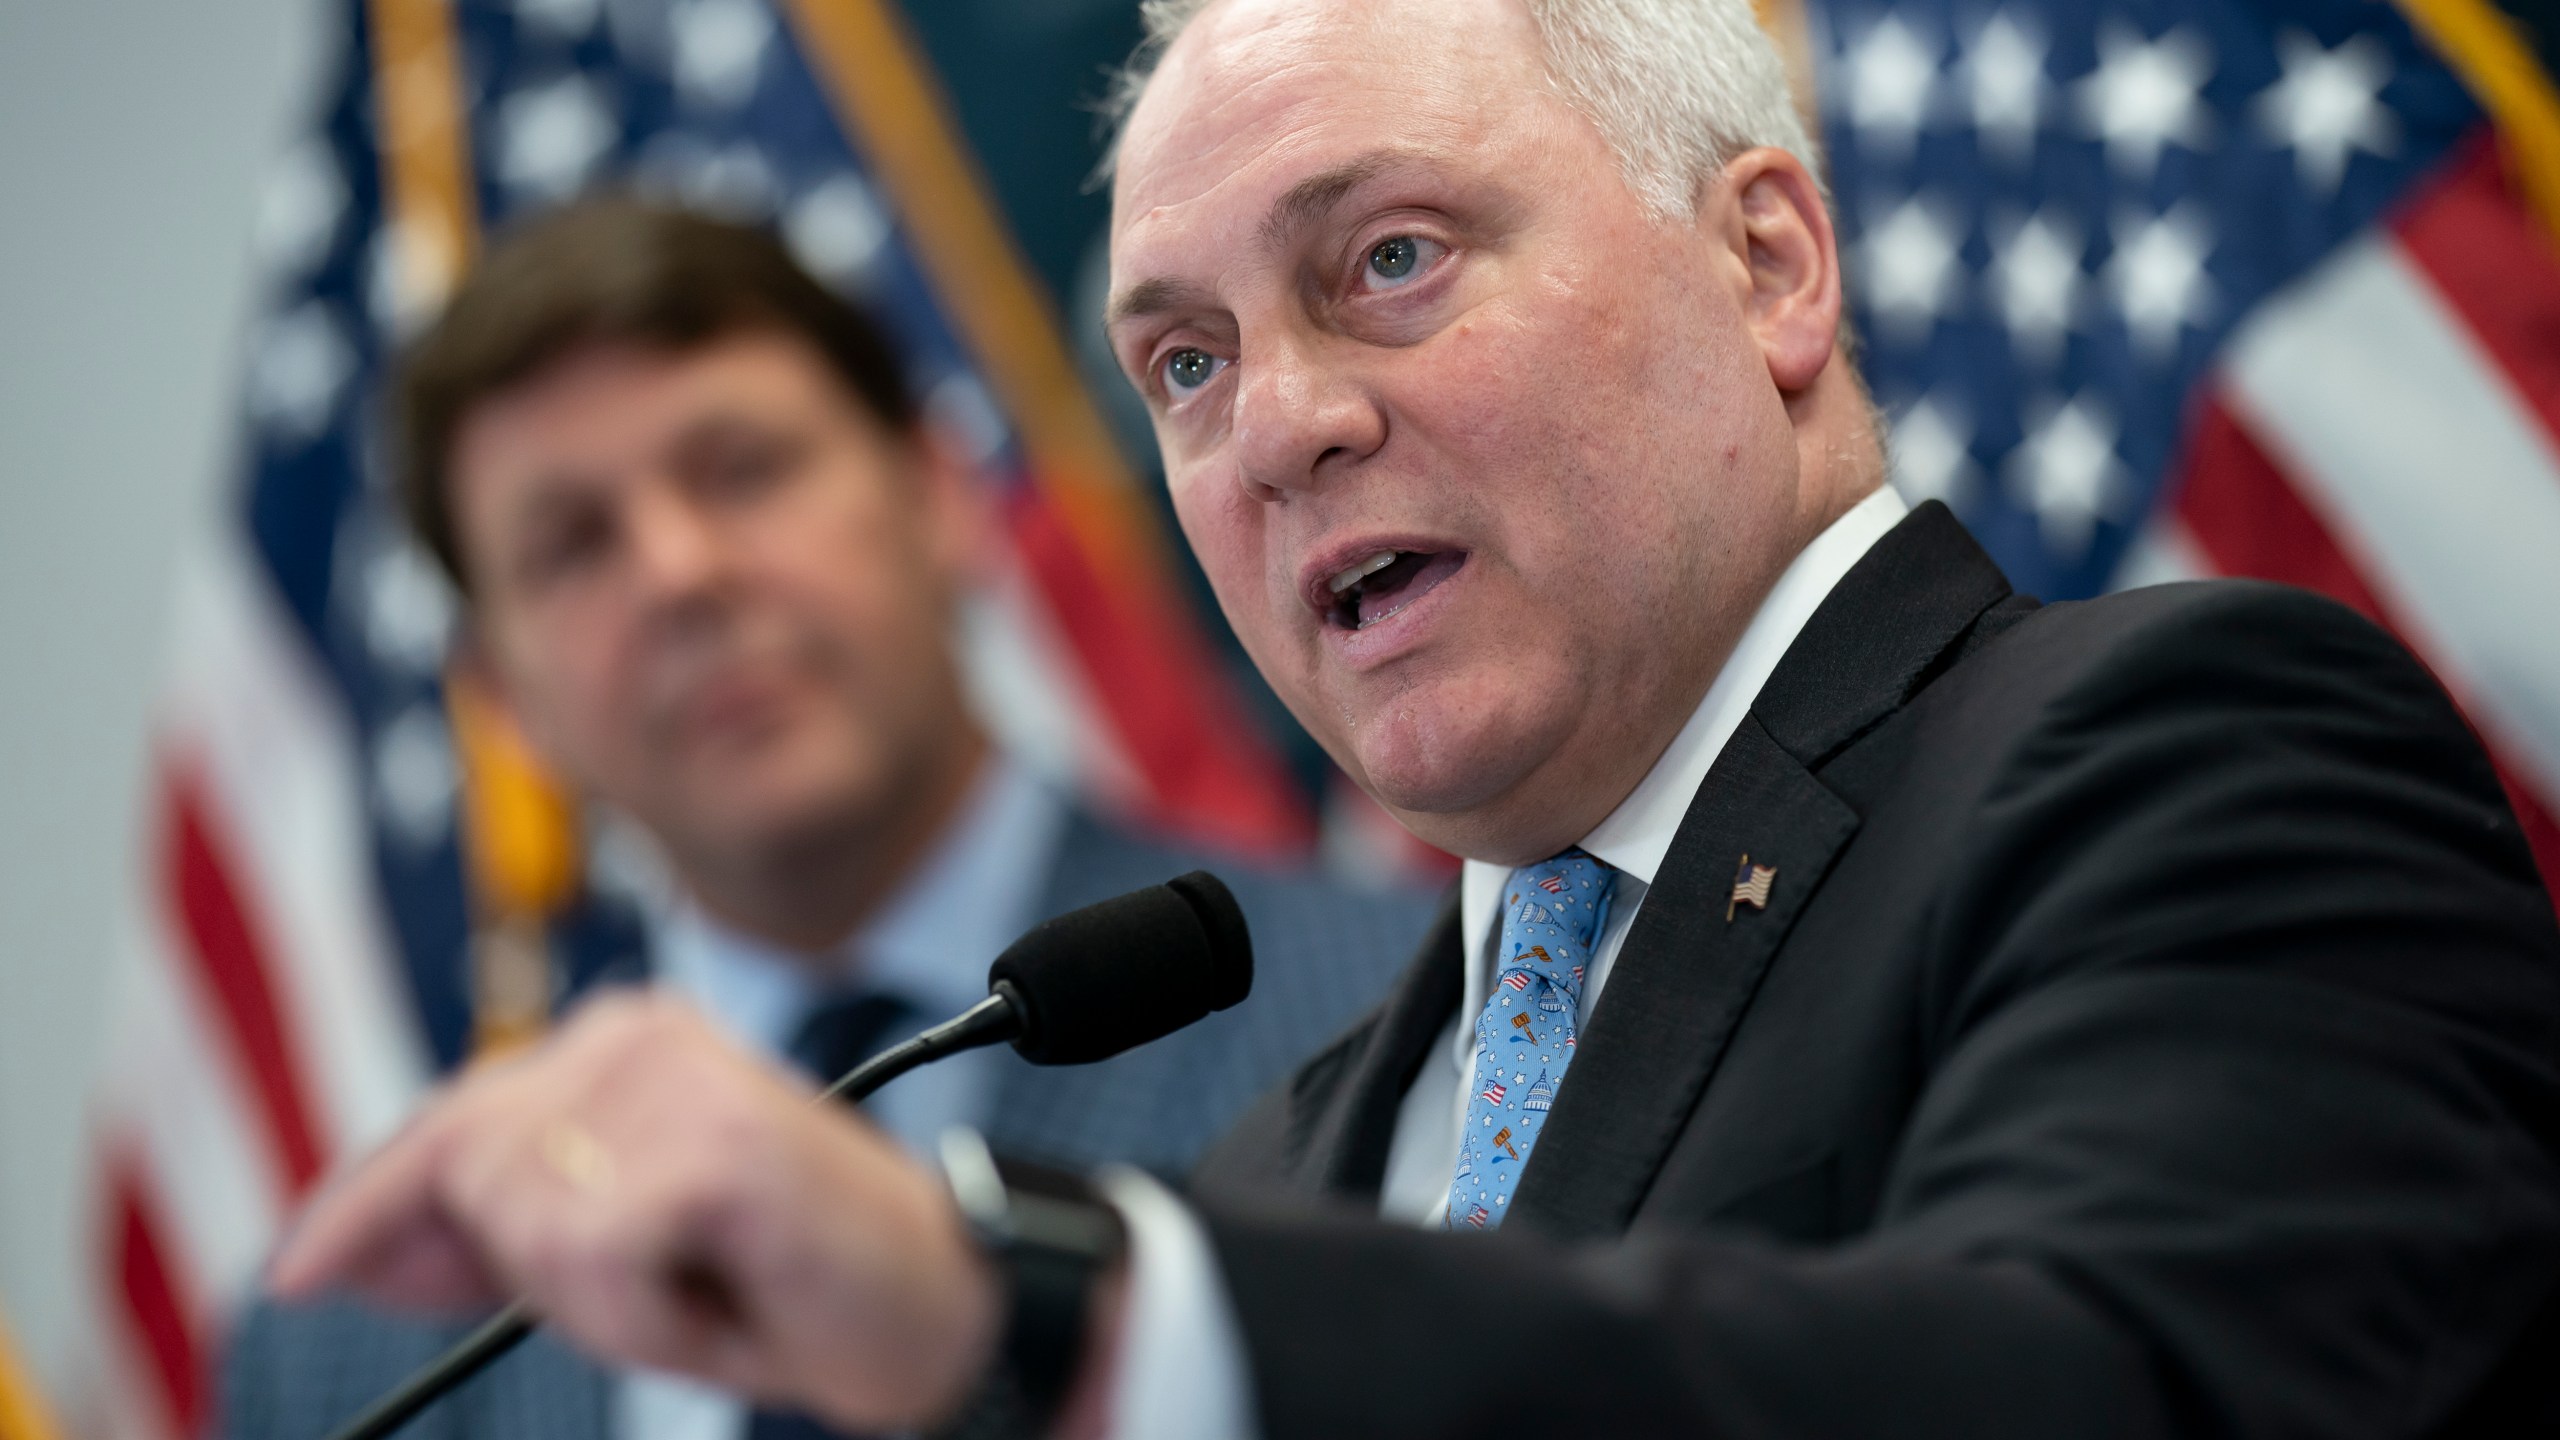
1492	1093
1516	979
1750	886
296	970
1552	884
1477	1215
2248	287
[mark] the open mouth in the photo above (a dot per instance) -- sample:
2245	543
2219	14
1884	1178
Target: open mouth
1378	585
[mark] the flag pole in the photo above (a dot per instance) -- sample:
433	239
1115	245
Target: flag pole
23	1413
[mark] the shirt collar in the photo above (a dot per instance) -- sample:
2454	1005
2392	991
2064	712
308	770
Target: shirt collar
1634	837
931	942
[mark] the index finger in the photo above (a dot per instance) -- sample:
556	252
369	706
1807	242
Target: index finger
383	1230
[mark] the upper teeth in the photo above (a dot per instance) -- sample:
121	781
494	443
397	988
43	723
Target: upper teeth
1362	571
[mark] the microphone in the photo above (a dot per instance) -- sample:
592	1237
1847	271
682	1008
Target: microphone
1081	987
1114	976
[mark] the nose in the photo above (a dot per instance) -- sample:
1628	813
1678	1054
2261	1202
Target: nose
1299	417
676	551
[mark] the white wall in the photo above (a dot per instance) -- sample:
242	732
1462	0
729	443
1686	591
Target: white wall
132	137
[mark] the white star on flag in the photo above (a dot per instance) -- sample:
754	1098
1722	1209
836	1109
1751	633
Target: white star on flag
2067	472
1909	264
551	136
414	775
2145	94
301	362
1929	455
837	229
2159	278
2036	275
298	211
408	607
2328	104
2005	69
719	50
1890	77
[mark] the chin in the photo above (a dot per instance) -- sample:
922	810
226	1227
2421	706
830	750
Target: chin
790	801
1434	760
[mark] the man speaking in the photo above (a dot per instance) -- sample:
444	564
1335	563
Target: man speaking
1875	1003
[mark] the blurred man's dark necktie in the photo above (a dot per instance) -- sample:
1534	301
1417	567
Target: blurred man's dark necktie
838	1033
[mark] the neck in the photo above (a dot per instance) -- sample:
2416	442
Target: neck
1840	461
809	896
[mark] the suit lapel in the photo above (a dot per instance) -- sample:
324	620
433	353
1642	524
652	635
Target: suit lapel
1348	1149
1686	973
1680	986
1897	619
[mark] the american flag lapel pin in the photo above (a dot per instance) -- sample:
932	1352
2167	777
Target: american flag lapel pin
1750	887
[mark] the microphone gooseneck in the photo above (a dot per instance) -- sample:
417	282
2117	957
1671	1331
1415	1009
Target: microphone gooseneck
1082	987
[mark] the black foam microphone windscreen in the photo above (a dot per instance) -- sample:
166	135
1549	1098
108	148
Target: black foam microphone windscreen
1094	982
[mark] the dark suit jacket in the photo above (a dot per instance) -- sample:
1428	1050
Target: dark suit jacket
1322	957
2151	1031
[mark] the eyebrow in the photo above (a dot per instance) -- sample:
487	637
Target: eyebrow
1304	203
1310	198
1149	297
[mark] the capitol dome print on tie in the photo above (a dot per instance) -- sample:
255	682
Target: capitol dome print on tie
1551	916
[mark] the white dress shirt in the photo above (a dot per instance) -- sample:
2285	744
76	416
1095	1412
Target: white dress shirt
1632	840
1176	1289
930	945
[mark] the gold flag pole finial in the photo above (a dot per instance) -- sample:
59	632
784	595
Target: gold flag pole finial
520	849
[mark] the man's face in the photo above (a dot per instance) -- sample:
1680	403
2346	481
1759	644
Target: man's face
1393	305
716	591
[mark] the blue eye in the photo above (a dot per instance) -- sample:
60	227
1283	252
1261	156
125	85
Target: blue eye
1187	369
1398	259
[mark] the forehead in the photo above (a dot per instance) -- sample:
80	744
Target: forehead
610	405
1257	95
756	363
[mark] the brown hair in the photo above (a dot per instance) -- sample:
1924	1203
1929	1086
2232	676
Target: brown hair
613	269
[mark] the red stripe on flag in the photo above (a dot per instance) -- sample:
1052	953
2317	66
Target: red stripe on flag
2473	236
225	944
152	1300
1159	686
2248	519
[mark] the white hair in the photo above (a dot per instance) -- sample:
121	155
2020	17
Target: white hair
1676	87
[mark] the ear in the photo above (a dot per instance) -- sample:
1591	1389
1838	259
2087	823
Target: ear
959	521
1782	232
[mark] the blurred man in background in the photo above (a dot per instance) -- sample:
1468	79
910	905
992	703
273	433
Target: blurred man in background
712	560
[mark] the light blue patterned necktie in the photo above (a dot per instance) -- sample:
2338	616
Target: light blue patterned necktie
1551	916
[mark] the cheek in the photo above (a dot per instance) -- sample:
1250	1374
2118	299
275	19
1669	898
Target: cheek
868	633
1611	442
1224	527
847	555
572	692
